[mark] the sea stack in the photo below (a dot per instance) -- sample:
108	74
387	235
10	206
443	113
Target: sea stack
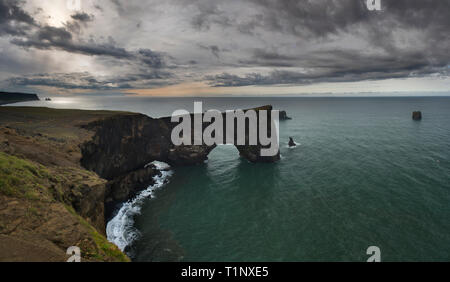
417	115
284	116
291	142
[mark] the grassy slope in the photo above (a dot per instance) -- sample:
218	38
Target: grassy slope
30	183
39	161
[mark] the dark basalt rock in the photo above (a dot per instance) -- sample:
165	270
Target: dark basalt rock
284	116
88	202
417	115
127	142
10	98
127	186
189	155
291	142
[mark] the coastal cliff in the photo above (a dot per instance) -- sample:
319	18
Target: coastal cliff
48	201
79	165
126	143
9	98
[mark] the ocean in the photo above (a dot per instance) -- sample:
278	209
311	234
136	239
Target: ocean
363	174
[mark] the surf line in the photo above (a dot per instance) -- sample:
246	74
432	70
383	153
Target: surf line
120	229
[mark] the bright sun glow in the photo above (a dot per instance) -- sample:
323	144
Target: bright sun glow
58	13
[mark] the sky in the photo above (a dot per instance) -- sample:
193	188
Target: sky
217	47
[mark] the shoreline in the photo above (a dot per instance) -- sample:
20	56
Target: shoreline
7	98
120	229
94	161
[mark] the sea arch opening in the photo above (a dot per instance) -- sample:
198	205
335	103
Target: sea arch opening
223	153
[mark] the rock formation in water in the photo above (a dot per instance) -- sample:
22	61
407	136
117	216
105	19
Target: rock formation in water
284	116
125	187
126	143
291	142
417	115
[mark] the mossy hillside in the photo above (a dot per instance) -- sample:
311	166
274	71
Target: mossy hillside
23	179
36	185
103	249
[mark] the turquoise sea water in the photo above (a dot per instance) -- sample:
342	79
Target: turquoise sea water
363	175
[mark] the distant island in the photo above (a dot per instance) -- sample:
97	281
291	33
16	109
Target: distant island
10	98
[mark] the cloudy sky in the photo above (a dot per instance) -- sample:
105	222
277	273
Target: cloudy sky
217	47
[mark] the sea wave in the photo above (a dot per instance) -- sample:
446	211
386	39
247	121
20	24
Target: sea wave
120	230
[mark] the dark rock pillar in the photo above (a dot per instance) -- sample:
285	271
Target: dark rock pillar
417	115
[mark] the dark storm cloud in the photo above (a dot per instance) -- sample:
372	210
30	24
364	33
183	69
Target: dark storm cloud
324	17
60	38
324	21
152	59
261	57
49	37
245	42
207	13
214	49
82	17
65	81
13	19
279	77
310	18
29	34
338	66
85	80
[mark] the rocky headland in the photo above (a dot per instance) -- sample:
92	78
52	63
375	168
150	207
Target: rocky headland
64	171
9	98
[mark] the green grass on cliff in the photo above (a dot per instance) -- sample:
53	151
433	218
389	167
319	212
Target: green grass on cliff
22	179
104	249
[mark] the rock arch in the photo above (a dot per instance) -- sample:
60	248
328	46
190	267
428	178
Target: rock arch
127	142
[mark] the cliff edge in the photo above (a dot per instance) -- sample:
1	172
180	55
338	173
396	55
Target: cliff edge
48	201
9	98
62	173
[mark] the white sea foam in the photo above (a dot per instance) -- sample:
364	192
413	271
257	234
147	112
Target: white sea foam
159	165
293	147
120	230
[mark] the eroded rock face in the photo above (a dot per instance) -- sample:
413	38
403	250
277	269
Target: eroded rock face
127	186
189	155
87	201
126	143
